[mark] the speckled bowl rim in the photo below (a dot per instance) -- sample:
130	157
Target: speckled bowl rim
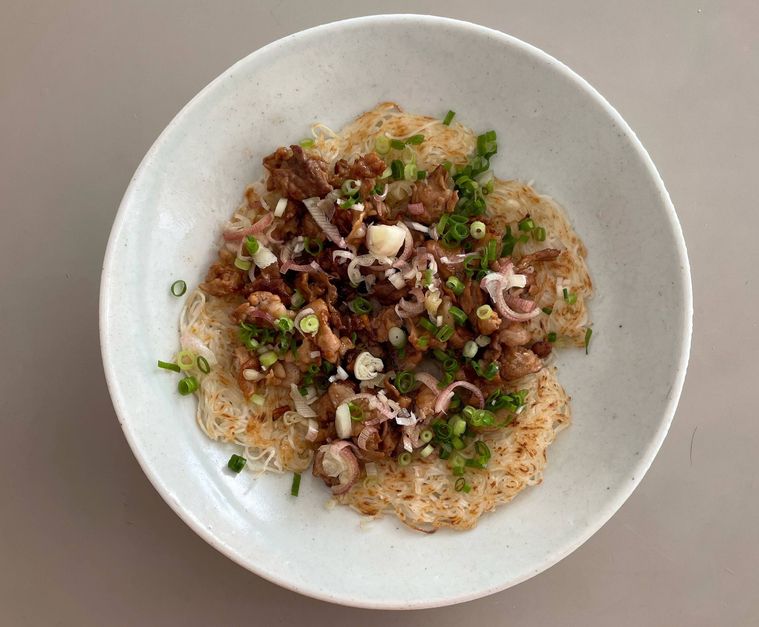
622	493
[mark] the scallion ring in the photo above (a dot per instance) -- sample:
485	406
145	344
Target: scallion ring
477	229
484	312
203	364
309	324
178	288
187	385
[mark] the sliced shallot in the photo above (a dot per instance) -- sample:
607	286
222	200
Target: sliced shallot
444	398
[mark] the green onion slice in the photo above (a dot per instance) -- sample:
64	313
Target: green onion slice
236	463
178	288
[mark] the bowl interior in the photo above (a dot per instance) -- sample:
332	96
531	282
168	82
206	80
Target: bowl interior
553	129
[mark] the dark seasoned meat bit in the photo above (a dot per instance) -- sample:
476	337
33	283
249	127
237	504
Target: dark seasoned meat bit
365	168
386	293
424	404
261	308
245	360
435	248
288	226
296	175
313	285
381	324
471	298
326	405
541	349
547	254
437	195
223	277
514	334
274	285
329	344
518	361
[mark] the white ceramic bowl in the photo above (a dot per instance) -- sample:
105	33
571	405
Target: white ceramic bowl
553	128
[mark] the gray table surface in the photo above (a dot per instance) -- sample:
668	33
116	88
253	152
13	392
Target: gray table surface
85	88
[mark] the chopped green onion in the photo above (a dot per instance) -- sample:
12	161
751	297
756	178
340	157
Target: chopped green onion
185	360
426	451
445	450
360	306
313	369
459	426
397	337
462	486
203	364
570	297
445	381
470	349
396	169
447	165
487	144
386	173
449	118
440	355
423	342
252	245
547	310
442	223
482	450
426	435
455	285
415	140
526	225
451	365
269	358
427	325
469	269
236	463
484	312
167	365
442	430
539	233
257	399
405	381
295	487
409	171
551	337
178	288
455	403
309	324
421	175
307	143
382	144
350	186
459	317
187	385
243	264
458	231
508	245
297	300
444	333
477	229
312	246
285	324
588	333
397	144
404	459
355	411
490	253
427	278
